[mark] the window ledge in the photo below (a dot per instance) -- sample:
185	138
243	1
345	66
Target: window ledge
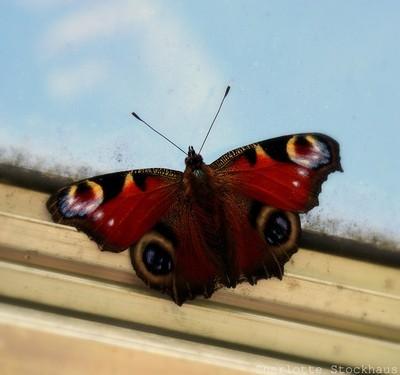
326	308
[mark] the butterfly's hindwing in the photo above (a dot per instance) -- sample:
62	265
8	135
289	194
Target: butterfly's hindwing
175	256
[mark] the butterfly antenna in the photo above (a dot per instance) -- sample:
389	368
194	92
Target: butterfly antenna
155	130
215	117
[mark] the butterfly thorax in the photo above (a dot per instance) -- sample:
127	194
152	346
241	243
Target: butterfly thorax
198	180
196	177
193	160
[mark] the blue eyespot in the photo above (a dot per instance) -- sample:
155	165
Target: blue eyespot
277	229
157	260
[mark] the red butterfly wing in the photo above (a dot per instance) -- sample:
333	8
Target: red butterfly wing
266	184
116	209
284	172
263	239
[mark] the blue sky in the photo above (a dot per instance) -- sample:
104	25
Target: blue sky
72	71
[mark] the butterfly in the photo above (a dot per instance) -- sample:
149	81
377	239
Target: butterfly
190	233
215	225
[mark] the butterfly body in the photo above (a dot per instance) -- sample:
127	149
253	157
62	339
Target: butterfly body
215	225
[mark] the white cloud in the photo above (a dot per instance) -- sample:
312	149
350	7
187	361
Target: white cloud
41	4
169	50
73	81
90	23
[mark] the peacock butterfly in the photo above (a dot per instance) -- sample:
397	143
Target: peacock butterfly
213	225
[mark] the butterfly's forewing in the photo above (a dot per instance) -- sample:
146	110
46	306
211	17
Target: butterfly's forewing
284	172
116	209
